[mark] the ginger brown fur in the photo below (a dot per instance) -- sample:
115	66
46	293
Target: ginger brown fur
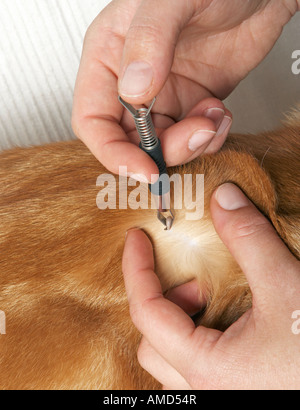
61	285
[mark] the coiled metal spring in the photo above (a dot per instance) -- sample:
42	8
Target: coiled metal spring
144	124
145	128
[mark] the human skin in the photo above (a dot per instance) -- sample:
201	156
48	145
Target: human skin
260	350
191	54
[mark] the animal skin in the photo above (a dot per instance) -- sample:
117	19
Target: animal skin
61	285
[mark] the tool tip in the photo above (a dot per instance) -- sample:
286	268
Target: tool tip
166	218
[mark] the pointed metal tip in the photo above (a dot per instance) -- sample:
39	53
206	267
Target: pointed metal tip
135	111
151	105
166	218
128	107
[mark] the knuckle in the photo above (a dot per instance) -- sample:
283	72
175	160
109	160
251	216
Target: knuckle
92	29
250	227
141	313
145	32
197	368
196	379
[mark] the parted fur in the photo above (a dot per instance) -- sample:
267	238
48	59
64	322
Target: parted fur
61	285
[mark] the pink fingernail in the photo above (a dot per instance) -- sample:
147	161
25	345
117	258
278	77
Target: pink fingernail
216	115
231	198
130	230
137	79
224	126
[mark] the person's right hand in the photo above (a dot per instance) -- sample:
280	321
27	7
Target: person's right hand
189	53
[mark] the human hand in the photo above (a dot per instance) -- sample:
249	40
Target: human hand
259	351
189	53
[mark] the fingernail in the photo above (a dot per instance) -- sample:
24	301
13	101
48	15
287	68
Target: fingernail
224	126
130	230
200	138
231	198
137	79
216	115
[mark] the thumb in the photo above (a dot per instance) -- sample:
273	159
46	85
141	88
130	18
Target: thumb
149	48
253	242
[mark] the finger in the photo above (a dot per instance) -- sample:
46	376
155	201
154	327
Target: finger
253	242
97	114
149	48
203	131
154	364
187	139
168	329
110	145
188	297
221	135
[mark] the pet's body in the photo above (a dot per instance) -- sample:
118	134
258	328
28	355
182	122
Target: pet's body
61	285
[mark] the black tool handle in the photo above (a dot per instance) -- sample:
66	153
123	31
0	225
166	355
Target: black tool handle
162	186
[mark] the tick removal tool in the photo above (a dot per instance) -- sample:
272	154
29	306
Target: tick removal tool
150	144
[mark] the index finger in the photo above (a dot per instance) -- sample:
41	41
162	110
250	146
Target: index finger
169	330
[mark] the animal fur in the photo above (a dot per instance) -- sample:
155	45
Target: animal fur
61	286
